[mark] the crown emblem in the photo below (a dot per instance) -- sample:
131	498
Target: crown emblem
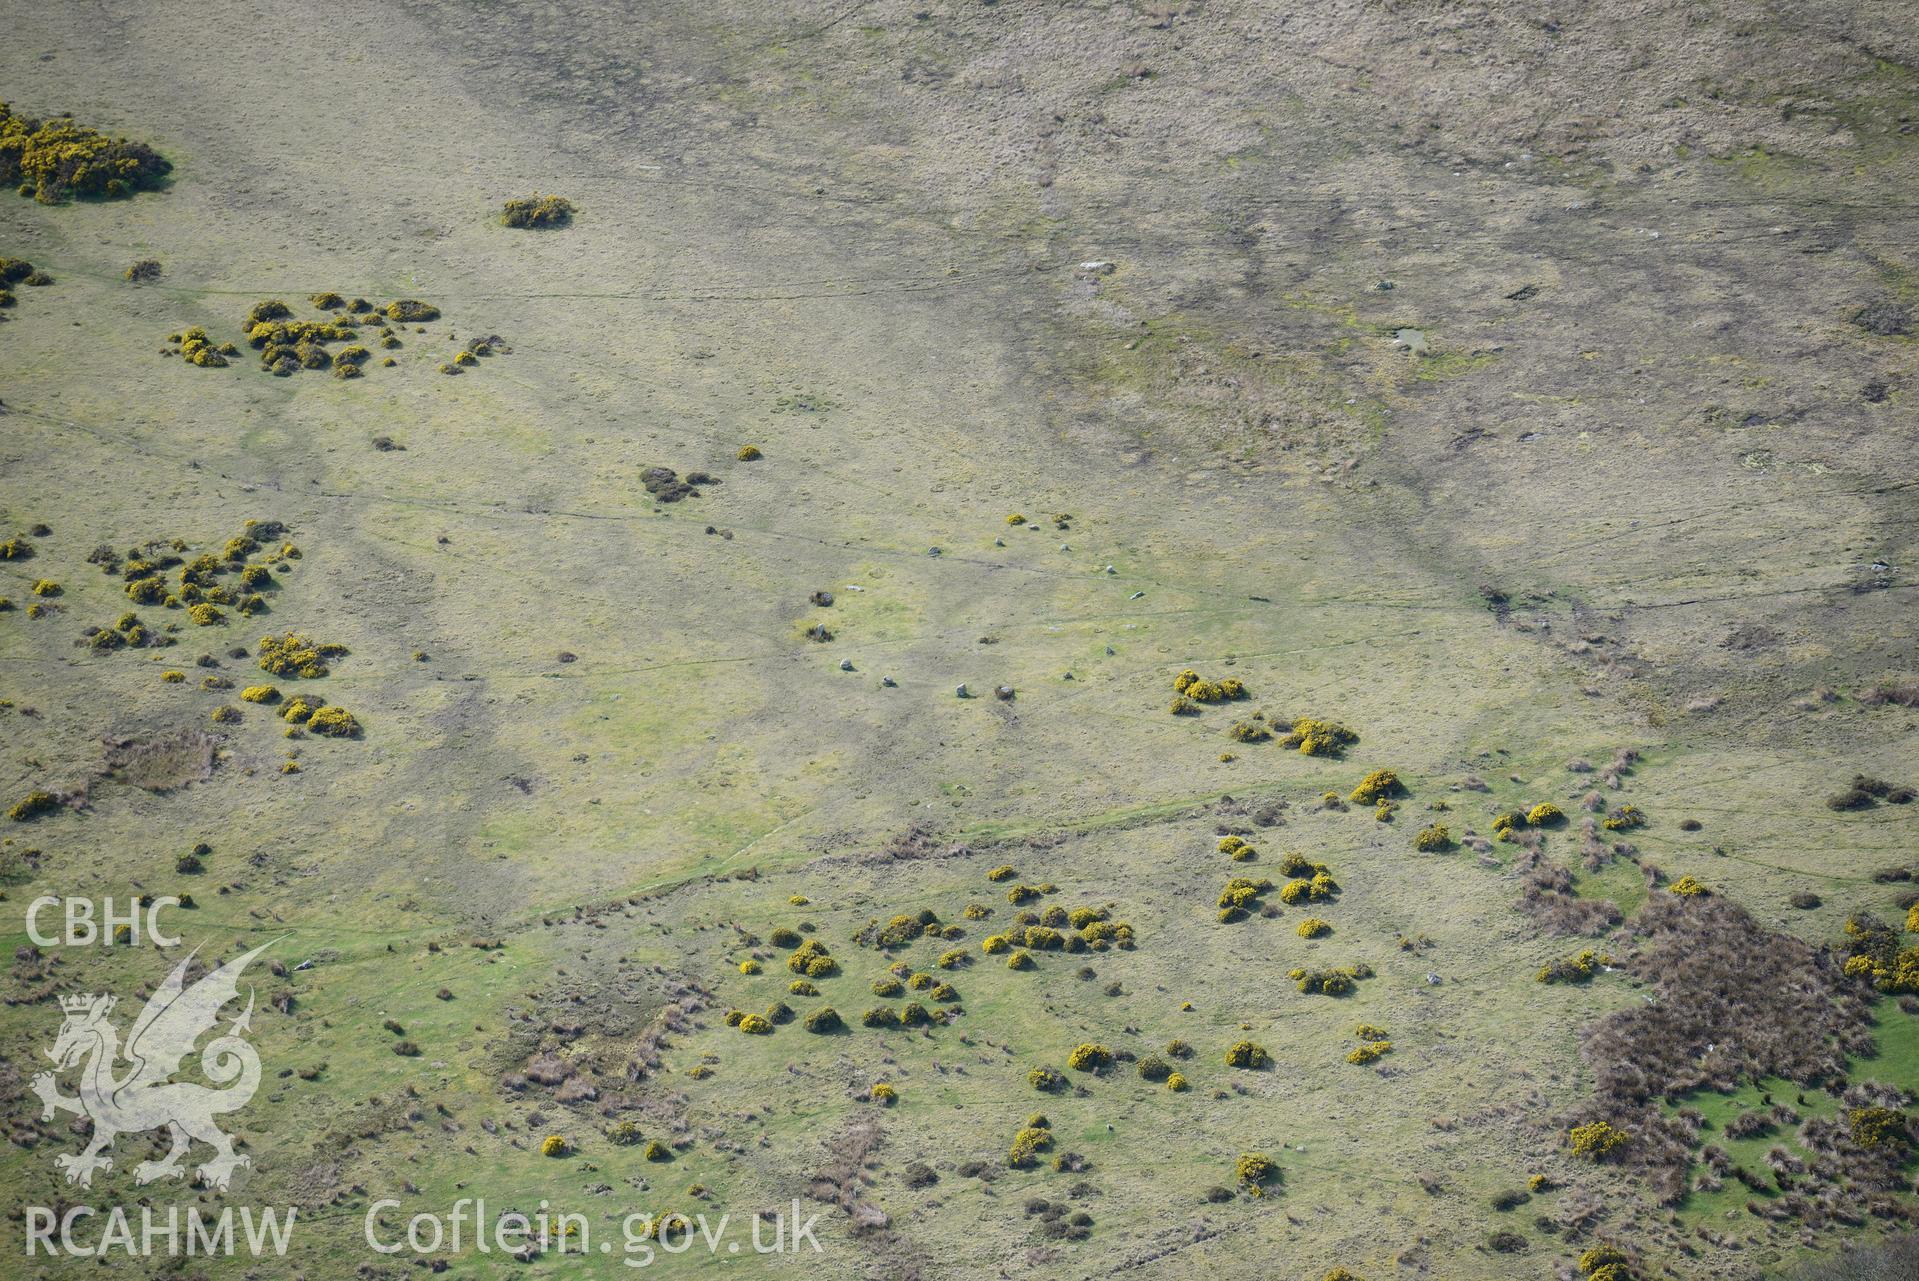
79	1004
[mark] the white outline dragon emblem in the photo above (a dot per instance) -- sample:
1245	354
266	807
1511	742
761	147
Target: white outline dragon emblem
145	1097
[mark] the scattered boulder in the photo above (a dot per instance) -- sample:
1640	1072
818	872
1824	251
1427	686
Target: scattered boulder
666	486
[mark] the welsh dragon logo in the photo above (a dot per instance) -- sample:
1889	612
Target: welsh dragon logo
143	1096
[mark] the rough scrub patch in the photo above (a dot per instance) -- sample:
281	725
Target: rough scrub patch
1767	1005
160	762
53	159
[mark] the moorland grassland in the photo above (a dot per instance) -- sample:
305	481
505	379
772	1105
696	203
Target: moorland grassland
605	531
